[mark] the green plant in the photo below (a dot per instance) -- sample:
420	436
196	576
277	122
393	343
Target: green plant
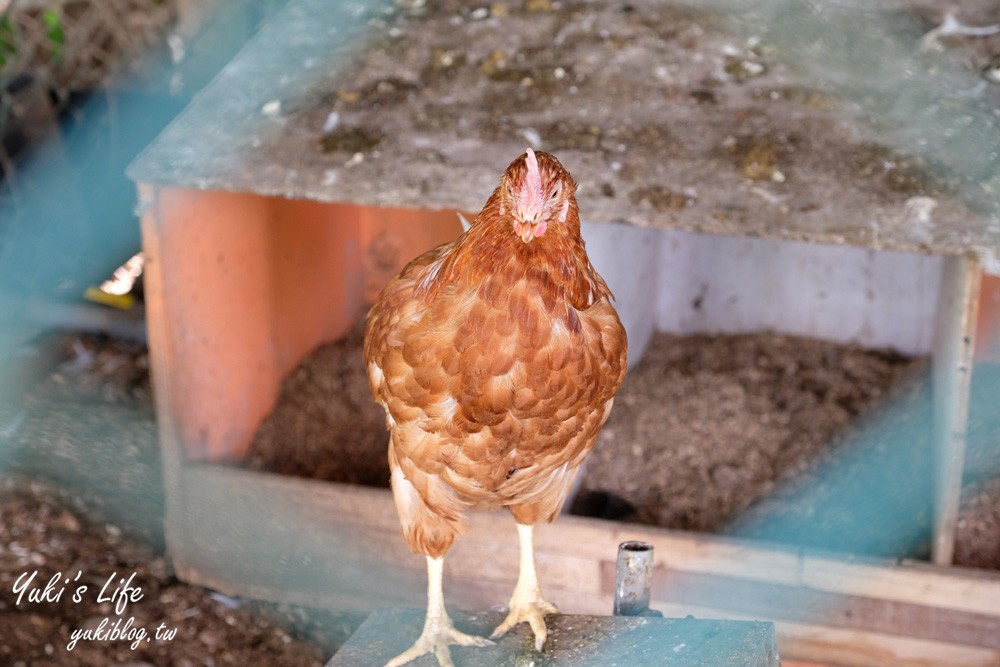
55	32
8	40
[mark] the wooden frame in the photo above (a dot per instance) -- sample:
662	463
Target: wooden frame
958	306
293	540
338	546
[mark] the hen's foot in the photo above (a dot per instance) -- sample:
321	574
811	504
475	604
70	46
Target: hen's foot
436	638
528	606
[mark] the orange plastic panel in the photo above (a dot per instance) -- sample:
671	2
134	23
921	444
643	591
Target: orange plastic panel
392	237
251	284
216	276
988	326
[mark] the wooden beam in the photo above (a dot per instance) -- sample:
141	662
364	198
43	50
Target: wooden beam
958	306
330	545
802	604
819	644
27	365
856	648
573	641
960	589
159	337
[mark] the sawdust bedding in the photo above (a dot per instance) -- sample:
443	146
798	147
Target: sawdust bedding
709	432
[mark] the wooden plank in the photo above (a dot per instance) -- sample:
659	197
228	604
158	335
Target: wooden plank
234	533
851	648
336	546
804	605
573	641
304	522
25	366
749	290
961	589
800	641
952	375
857	648
159	336
988	322
918	583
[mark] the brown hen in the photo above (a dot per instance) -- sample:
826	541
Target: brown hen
497	358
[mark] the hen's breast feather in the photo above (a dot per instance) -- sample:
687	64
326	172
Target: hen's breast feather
486	380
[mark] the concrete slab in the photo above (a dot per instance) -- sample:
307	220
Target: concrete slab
665	114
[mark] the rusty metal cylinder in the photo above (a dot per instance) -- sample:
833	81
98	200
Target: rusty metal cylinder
633	578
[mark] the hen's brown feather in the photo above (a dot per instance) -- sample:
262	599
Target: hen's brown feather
497	361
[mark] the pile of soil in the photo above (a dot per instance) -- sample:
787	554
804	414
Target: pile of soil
325	424
715	422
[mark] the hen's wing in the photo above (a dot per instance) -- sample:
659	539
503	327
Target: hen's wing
429	510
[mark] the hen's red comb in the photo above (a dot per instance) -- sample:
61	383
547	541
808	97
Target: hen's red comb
531	192
534	177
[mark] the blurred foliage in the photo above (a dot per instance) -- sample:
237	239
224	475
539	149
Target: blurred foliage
8	40
56	34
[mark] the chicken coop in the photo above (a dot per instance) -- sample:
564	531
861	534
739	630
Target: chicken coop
738	190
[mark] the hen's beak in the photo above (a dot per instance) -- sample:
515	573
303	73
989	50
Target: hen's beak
528	227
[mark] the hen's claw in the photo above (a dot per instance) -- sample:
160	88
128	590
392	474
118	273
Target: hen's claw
436	639
531	608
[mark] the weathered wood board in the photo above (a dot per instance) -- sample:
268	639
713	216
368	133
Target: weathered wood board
573	641
337	546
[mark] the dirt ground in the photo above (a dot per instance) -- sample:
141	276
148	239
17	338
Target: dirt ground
81	491
42	533
758	435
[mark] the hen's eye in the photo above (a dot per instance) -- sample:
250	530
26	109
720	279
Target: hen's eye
555	192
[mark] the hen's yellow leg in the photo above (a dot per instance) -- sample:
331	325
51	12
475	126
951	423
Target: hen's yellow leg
438	632
527	603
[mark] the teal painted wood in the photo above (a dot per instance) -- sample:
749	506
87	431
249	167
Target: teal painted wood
574	641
